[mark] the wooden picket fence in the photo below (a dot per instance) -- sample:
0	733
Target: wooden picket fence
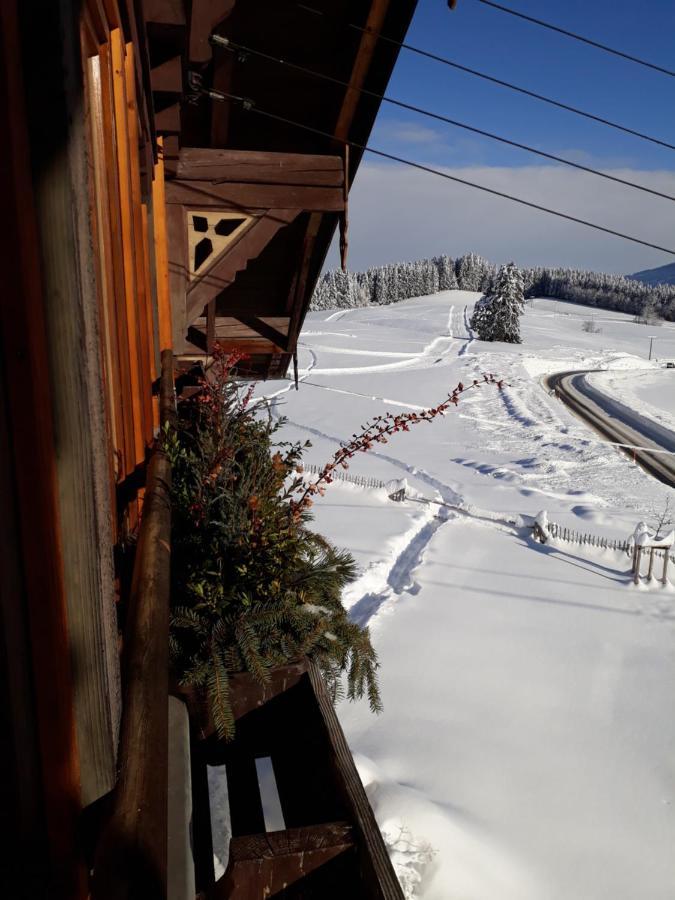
341	475
562	533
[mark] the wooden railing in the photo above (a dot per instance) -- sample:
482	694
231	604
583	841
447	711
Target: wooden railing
131	857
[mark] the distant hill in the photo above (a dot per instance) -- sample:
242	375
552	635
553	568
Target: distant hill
662	275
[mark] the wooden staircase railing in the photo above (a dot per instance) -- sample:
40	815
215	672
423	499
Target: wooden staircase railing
131	857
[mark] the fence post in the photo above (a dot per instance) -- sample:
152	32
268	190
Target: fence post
651	563
666	558
636	564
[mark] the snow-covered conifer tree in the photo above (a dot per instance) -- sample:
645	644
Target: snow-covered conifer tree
497	314
447	280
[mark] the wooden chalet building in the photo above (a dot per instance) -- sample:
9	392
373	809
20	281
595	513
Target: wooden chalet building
148	215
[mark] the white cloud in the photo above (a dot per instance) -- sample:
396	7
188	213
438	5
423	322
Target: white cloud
410	133
398	213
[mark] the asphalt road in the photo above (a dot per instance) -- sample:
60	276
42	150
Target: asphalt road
618	423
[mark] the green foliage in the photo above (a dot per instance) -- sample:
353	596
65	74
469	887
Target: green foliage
252	585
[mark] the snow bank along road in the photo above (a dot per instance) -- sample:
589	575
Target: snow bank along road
525	751
619	423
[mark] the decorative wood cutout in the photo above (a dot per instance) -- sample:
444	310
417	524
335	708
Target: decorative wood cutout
209	234
223	209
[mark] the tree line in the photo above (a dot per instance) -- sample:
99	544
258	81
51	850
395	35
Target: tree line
382	285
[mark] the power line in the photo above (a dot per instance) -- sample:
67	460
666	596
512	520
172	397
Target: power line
499	81
233	47
250	106
579	37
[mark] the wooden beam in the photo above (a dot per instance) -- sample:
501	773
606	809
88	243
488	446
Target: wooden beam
131	856
264	865
250	346
364	56
207	164
251	196
374	859
296	303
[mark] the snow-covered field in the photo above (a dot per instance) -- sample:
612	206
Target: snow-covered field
527	746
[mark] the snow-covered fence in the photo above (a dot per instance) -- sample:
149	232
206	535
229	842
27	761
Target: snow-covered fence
571	536
637	545
337	475
545	529
656	545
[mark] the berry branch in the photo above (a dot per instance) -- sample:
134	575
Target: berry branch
378	431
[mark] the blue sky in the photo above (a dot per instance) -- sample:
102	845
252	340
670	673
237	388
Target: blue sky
551	64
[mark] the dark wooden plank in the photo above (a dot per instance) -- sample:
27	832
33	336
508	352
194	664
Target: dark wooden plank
210	325
297	298
164	12
265	865
171	146
168	76
373	858
207	164
252	196
167	121
248	694
131	856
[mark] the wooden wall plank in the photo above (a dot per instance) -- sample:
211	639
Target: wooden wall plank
60	159
207	164
32	514
149	318
128	244
161	245
104	265
143	311
126	449
252	196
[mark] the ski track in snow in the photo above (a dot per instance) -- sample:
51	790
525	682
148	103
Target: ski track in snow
400	575
325	387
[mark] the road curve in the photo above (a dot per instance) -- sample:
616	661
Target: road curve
617	423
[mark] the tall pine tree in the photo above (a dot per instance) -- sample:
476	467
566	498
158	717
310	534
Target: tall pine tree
497	314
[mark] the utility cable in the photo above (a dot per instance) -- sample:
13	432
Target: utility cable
250	106
579	37
233	47
502	83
